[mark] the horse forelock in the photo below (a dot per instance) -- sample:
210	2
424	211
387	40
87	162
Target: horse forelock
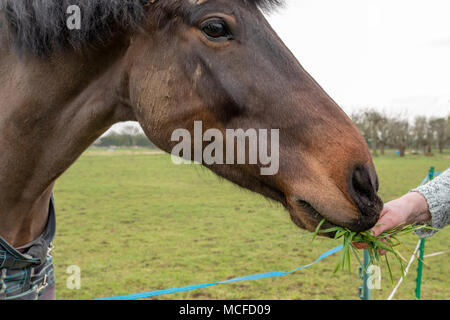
39	27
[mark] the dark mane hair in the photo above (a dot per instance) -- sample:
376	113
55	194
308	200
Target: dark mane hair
39	27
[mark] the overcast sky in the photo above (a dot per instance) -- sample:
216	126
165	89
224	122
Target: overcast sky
392	55
387	54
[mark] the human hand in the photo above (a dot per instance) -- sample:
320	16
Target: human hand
409	209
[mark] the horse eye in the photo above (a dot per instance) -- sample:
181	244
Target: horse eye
216	30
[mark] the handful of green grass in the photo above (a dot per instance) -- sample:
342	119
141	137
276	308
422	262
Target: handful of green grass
387	241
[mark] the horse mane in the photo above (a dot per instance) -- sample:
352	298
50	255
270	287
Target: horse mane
39	27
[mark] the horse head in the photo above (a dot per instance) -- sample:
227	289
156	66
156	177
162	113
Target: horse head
220	62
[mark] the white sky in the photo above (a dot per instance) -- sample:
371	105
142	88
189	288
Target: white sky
392	55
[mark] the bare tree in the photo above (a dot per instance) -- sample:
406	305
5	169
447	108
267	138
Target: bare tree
131	129
439	128
419	132
429	134
448	127
448	130
373	118
399	131
384	132
359	120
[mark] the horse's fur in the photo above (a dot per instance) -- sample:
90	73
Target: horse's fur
39	26
55	102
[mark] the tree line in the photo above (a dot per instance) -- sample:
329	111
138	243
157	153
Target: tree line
383	131
129	136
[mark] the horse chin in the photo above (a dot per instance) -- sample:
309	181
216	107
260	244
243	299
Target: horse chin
306	217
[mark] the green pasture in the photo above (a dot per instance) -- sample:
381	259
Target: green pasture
133	222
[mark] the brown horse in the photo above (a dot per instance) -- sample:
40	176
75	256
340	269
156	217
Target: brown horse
167	64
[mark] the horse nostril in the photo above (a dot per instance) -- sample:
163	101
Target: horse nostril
363	190
362	185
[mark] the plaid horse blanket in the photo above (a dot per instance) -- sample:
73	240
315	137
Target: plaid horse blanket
28	274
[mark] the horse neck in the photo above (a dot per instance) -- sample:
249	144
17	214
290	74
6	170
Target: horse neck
51	110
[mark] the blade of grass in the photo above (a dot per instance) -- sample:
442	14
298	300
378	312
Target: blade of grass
389	269
318	229
386	241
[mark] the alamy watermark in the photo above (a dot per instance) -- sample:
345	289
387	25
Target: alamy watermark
263	147
374	278
73	281
73	21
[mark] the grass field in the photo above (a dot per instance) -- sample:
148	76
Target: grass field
133	222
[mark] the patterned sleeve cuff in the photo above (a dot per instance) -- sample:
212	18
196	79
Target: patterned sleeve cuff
437	194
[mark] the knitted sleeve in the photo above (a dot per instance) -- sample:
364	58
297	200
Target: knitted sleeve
437	194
